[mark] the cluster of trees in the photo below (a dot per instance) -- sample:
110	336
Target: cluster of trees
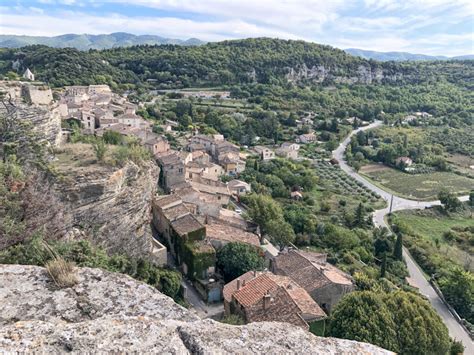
387	144
261	60
235	259
279	177
268	214
399	321
257	70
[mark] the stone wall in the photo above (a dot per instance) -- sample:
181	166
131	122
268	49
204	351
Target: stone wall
112	313
37	94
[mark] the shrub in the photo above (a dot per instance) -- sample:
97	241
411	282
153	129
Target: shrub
62	272
112	137
233	319
100	148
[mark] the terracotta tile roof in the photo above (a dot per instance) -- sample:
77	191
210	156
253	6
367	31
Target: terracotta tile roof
309	270
299	295
257	286
231	287
255	290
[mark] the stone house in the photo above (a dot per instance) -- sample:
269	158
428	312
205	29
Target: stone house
156	144
198	202
264	152
404	162
232	163
98	89
186	239
172	169
220	233
180	229
223	148
239	187
201	171
201	140
324	282
89	121
307	138
266	297
133	120
288	150
219	194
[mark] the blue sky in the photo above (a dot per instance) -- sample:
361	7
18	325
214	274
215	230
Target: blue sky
438	27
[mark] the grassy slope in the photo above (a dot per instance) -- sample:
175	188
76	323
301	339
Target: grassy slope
432	224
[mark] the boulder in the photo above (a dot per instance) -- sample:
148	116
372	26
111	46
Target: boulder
110	312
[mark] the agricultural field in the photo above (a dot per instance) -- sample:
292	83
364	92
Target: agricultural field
336	186
416	186
452	236
462	163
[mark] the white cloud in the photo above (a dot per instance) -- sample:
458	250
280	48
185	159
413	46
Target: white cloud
68	22
386	25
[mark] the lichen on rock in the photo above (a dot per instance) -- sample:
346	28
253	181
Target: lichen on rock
110	312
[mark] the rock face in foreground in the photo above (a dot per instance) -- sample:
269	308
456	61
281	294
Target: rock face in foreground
110	312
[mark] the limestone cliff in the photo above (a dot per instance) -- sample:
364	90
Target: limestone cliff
108	312
364	74
112	204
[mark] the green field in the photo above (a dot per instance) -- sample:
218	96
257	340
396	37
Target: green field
417	186
432	225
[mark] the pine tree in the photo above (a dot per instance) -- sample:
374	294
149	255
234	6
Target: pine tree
359	217
255	165
383	268
398	249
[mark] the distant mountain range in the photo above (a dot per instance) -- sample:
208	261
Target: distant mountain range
86	41
400	56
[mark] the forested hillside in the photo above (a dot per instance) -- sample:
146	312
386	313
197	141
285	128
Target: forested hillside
267	61
279	75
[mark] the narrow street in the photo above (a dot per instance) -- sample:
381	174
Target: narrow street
417	278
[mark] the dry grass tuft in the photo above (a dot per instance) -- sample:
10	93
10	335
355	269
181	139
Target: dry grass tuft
62	272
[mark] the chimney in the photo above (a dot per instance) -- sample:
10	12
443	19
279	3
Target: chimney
255	273
238	284
243	283
266	301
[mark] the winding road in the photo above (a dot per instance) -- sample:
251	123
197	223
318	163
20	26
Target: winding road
416	279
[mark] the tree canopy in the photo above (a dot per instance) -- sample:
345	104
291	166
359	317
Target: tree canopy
235	259
399	321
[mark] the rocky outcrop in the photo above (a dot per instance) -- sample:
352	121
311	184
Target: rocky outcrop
110	312
112	204
31	109
364	74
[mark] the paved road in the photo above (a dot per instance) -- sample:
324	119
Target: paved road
417	278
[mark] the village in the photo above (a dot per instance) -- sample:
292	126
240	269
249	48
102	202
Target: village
195	214
192	221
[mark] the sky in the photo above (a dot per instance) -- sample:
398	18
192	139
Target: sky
435	27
